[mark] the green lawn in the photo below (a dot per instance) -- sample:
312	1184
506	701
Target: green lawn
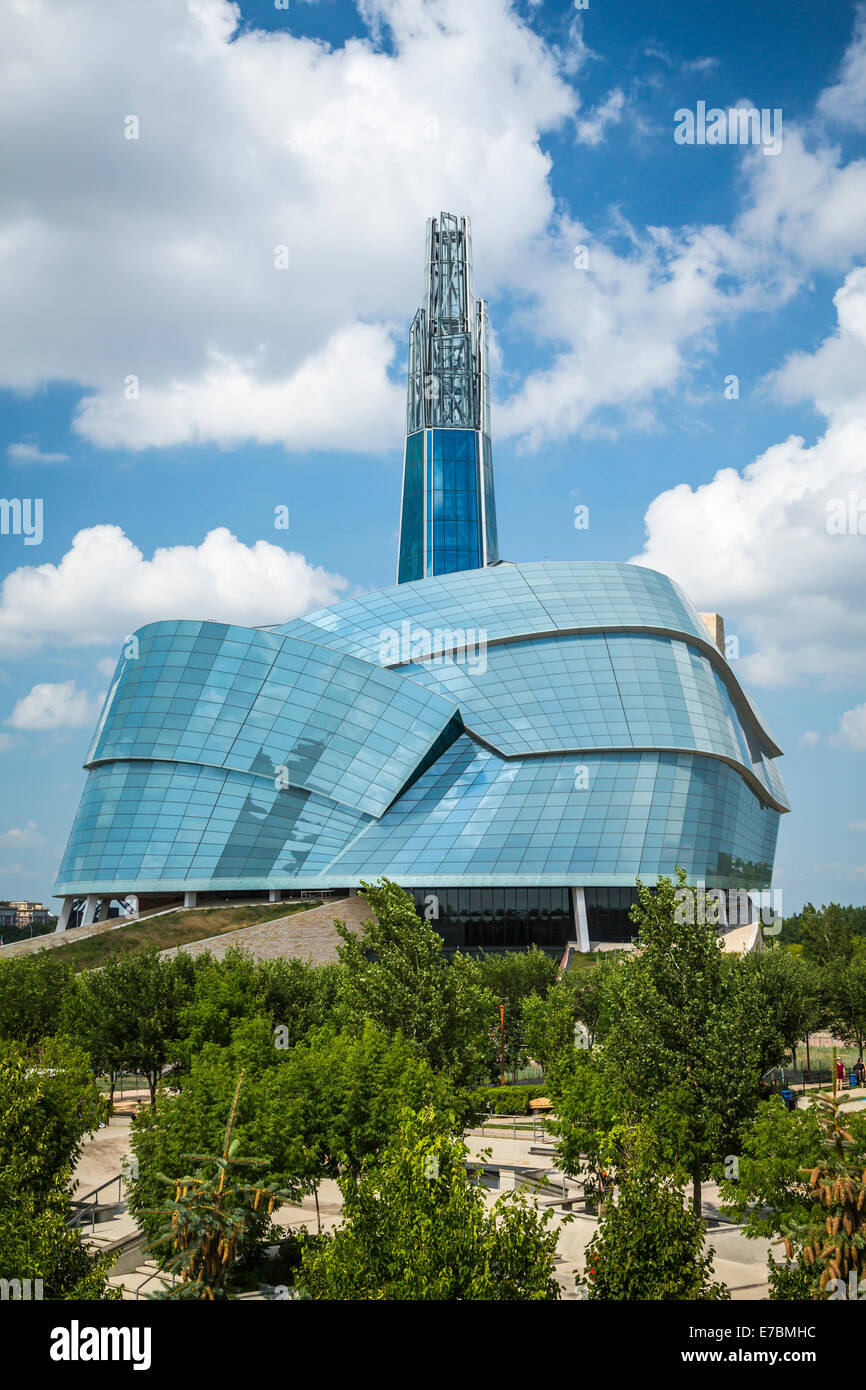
174	929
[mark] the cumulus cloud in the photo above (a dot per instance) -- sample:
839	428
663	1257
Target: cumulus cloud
779	548
31	453
845	101
852	729
104	587
160	257
27	837
809	739
592	128
58	705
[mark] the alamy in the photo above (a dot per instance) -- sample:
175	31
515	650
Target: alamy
739	125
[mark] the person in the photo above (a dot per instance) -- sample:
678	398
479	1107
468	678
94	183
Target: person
860	1069
840	1069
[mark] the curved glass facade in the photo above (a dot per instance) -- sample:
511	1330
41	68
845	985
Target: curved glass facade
526	727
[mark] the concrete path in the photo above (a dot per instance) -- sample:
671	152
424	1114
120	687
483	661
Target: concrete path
309	935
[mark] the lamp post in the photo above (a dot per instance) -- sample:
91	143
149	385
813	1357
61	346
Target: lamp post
502	1041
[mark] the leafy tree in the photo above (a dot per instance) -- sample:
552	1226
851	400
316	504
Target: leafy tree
415	1227
48	1102
580	996
31	995
95	1018
791	991
512	977
688	1030
295	995
396	974
843	989
647	1245
318	1109
827	933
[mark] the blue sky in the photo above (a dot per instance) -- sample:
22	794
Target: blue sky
334	130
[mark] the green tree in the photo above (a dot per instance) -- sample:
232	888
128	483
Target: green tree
688	1031
580	996
827	933
799	1180
31	995
318	1109
843	990
395	973
416	1228
790	989
647	1245
512	977
210	1216
48	1102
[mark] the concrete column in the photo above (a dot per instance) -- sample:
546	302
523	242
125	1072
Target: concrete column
131	905
102	911
274	895
581	929
190	899
89	910
65	914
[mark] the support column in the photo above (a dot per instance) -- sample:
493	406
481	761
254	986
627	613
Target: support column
274	895
581	928
190	899
89	912
65	914
102	912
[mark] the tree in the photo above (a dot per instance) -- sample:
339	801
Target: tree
790	990
209	1217
416	1227
580	996
395	973
843	990
297	996
31	995
647	1245
151	992
512	977
319	1109
48	1101
687	1026
800	1180
826	933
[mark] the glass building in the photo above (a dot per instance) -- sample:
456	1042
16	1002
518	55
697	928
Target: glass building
448	513
513	743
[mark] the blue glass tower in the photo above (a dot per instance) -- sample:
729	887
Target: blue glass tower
448	515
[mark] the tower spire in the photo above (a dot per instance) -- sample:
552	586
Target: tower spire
448	516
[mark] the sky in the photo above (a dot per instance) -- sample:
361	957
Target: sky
212	224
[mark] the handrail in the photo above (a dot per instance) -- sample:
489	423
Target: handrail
86	1206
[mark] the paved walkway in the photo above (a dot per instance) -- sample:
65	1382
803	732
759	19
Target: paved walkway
309	935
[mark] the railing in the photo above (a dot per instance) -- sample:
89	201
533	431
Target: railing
157	1274
92	1208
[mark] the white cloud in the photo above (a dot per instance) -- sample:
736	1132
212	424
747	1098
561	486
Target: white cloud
155	257
105	665
27	837
808	739
857	825
852	729
104	588
31	453
845	101
592	129
759	546
60	705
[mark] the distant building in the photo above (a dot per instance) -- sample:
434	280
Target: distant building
20	916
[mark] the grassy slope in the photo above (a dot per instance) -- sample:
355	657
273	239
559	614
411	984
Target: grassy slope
174	929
